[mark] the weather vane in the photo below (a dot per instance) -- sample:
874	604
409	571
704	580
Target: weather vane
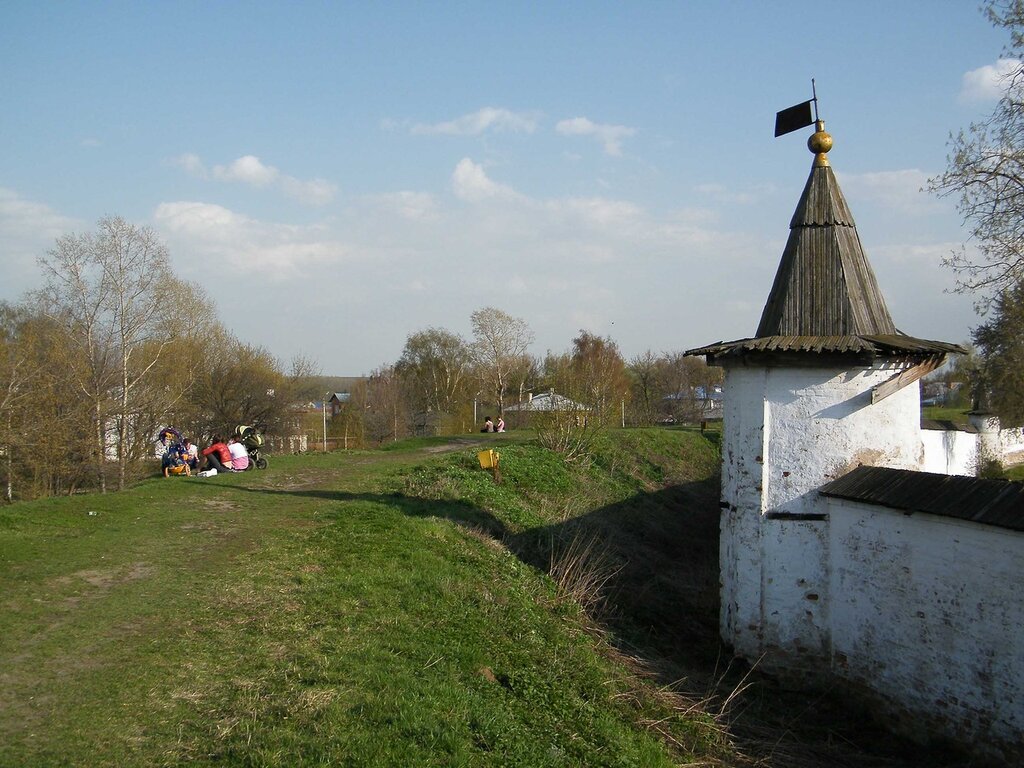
797	116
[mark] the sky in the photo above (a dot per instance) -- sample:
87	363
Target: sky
340	175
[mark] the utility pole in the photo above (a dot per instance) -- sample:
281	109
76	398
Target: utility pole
325	422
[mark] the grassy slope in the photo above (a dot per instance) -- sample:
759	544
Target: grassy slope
335	609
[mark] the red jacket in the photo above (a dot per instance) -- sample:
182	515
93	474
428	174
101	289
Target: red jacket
222	453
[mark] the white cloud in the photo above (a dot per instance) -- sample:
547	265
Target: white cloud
901	190
988	83
597	211
748	195
247	169
191	164
610	136
471	183
315	192
28	219
250	170
486	119
562	263
27	230
219	239
413	206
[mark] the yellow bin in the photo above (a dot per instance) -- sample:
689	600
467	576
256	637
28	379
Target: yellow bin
488	459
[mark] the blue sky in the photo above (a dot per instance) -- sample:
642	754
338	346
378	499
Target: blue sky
339	175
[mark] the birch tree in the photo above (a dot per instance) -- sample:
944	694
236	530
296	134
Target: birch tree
500	343
108	291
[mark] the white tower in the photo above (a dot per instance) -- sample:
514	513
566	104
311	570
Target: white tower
820	389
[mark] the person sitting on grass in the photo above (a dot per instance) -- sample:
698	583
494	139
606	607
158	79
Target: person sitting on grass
175	461
193	453
239	456
217	455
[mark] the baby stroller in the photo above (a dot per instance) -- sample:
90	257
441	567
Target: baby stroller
253	442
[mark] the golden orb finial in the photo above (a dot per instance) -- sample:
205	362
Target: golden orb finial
820	143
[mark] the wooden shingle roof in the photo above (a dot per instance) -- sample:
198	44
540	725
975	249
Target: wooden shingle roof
825	299
824	285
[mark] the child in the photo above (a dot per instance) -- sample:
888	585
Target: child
239	456
176	461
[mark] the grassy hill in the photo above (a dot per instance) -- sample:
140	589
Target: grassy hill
351	609
389	608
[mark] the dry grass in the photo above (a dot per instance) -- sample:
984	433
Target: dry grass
582	569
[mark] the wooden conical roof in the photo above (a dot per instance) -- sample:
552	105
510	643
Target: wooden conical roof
824	285
825	301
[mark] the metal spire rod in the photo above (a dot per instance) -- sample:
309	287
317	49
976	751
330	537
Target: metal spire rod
815	100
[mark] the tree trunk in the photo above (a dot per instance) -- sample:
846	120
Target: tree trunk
101	459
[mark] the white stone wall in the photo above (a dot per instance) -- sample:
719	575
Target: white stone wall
289	444
1012	444
950	452
742	509
788	431
957	453
928	611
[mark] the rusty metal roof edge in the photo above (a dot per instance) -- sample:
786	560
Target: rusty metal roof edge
997	503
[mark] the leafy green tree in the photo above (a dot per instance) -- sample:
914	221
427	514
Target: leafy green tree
242	384
435	366
1001	343
46	440
985	173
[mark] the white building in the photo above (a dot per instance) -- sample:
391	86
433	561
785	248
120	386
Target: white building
828	384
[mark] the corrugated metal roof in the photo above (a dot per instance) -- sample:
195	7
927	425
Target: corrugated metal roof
895	345
990	502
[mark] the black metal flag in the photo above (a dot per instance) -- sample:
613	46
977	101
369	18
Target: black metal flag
793	119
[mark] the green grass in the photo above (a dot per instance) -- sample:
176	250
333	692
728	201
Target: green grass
942	413
1015	473
361	608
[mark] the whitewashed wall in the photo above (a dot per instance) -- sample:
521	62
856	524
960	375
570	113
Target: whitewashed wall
1011	443
289	444
957	453
928	612
949	452
788	431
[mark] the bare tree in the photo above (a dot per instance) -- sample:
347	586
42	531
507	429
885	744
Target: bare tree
500	341
985	173
378	401
643	369
242	384
588	386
